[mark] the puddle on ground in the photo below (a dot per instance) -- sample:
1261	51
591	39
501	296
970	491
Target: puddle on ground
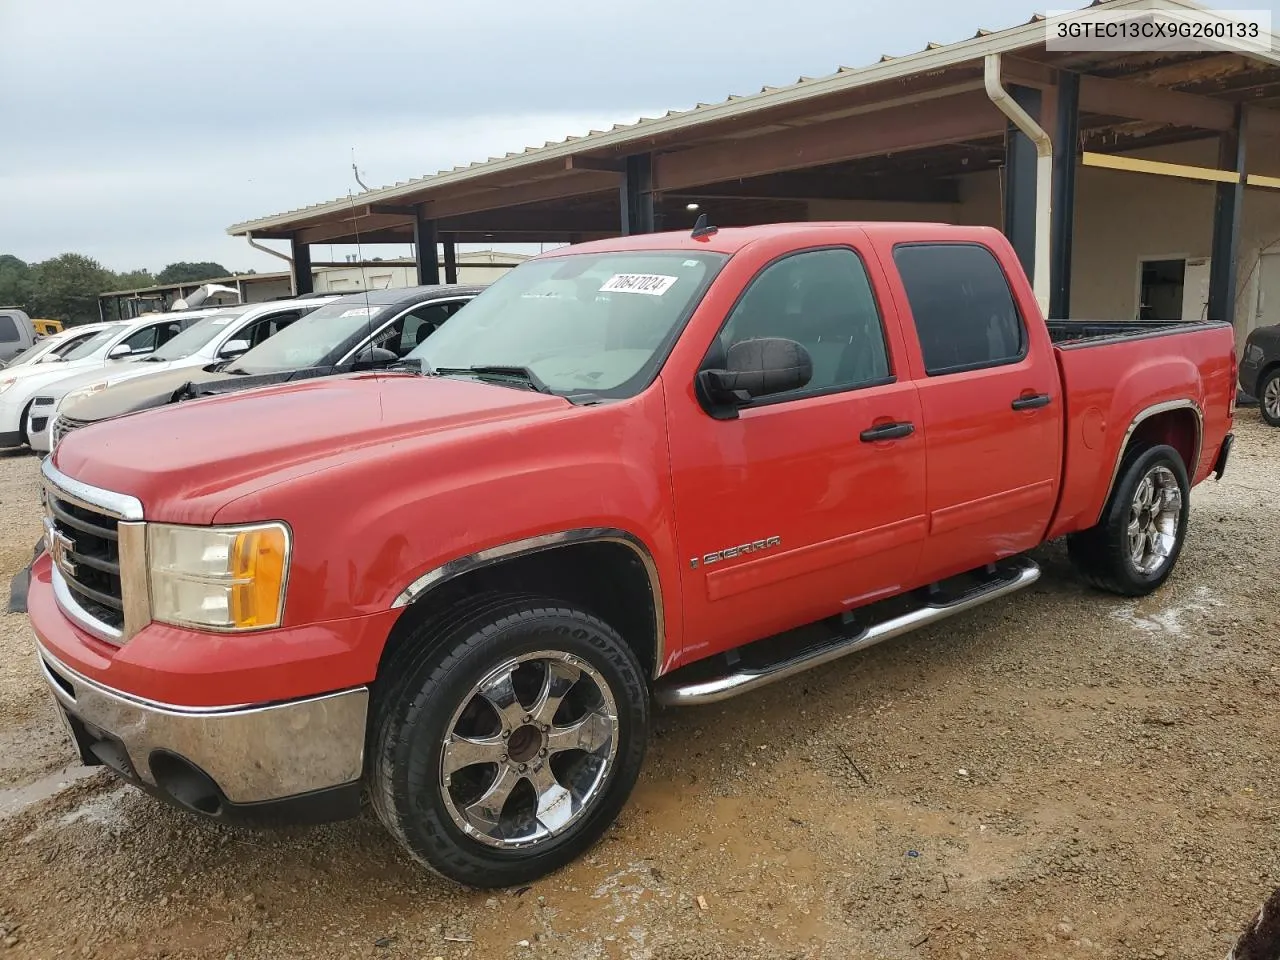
16	799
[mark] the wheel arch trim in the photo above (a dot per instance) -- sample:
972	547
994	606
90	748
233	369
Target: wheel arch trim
1145	414
492	556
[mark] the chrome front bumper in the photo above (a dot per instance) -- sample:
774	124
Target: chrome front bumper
254	754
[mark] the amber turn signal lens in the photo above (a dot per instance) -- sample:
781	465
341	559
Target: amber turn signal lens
257	576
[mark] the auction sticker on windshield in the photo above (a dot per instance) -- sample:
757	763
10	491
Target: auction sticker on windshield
653	284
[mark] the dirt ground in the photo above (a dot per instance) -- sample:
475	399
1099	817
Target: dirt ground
1061	774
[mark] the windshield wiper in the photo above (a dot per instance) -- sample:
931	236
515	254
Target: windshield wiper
501	371
412	365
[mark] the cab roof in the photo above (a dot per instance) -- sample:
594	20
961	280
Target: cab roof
729	240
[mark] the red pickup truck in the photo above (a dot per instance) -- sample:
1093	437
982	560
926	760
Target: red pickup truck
671	467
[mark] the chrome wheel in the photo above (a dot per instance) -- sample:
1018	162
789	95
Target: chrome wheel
529	749
1154	516
1271	398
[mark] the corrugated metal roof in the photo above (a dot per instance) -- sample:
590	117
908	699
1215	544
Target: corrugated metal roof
933	57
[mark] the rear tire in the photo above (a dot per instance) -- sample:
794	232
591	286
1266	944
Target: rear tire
1134	548
509	738
1269	398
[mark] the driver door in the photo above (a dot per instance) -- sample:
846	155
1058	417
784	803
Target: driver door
792	512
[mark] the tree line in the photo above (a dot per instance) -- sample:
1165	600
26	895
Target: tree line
66	287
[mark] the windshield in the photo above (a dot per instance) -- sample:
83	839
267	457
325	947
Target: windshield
92	344
320	338
194	337
596	323
31	353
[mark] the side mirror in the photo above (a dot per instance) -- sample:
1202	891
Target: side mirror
119	350
754	368
376	356
233	348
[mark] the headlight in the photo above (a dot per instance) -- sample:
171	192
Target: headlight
223	578
75	396
1253	353
6	383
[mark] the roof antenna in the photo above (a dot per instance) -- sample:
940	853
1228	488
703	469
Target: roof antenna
702	228
356	172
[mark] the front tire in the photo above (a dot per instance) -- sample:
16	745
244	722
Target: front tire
1269	398
1135	547
508	740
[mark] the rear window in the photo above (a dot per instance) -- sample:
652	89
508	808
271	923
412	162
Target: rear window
962	306
8	330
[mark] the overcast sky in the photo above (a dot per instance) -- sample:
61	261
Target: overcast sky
136	131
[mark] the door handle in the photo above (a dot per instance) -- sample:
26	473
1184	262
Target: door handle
1033	402
887	431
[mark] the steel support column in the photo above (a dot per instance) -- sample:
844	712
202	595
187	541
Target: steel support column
1226	222
425	240
450	258
1066	157
1020	182
301	268
636	196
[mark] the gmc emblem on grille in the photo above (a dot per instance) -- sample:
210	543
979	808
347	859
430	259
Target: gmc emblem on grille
60	545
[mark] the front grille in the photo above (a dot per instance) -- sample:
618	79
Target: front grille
62	425
38	424
86	550
42	402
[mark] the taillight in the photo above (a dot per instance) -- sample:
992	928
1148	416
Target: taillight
1235	385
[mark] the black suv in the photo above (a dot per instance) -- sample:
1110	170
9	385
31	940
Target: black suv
1260	371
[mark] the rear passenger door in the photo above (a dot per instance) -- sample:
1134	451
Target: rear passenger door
829	515
991	403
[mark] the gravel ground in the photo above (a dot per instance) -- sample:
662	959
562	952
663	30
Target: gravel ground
1059	774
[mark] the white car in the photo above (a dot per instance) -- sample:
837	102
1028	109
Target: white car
54	347
221	335
113	345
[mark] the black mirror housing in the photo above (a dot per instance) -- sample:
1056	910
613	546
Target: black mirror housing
755	368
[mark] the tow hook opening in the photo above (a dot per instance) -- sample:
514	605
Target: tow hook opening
187	784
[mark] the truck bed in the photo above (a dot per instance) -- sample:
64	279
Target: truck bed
1115	371
1070	334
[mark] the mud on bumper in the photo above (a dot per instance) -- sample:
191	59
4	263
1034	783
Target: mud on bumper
294	762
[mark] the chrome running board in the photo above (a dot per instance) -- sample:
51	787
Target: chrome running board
739	671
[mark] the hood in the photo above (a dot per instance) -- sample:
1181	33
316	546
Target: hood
60	367
97	374
151	388
32	379
186	461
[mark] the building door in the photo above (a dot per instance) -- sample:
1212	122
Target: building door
1195	290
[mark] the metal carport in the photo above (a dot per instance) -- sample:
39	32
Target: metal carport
908	133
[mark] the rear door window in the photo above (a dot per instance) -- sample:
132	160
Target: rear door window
146	339
266	327
964	313
8	329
